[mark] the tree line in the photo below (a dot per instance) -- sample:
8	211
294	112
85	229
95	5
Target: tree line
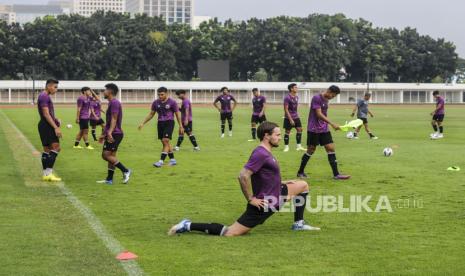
110	46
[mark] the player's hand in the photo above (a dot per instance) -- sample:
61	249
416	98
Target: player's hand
335	127
292	122
140	127
101	139
260	115
352	115
77	121
181	130
259	203
110	138
371	115
432	113
58	132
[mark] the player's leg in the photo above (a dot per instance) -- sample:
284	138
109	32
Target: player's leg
287	132
434	124
85	135
167	141
330	148
440	126
223	123
230	125
109	154
298	190
312	142
186	225
192	138
93	132
254	128
106	155
180	139
357	132
54	150
78	138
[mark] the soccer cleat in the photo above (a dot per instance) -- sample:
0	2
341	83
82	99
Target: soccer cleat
374	138
299	147
54	178
177	148
108	182
341	177
302	175
46	178
440	136
433	134
77	147
158	164
173	162
356	138
250	140
286	148
89	147
222	135
126	176
196	148
230	134
302	226
181	227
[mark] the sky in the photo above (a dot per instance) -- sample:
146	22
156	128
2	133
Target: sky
439	19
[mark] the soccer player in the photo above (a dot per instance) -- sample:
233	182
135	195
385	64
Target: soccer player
267	195
258	113
291	117
95	114
113	135
319	134
49	130
186	119
362	113
82	118
226	110
166	108
438	117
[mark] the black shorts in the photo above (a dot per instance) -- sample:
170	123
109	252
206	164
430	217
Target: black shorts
438	118
107	146
94	123
165	129
287	124
228	116
254	216
188	128
322	139
83	124
365	120
47	134
257	119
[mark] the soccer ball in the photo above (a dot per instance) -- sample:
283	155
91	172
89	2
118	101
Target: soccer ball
388	152
350	135
69	125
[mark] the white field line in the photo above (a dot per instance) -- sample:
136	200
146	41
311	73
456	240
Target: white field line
112	244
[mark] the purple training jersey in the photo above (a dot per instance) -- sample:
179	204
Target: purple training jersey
266	177
84	103
440	106
97	108
315	124
225	101
186	106
44	100
258	103
114	108
292	105
165	109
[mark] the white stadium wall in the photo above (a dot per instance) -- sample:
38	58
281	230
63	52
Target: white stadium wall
21	92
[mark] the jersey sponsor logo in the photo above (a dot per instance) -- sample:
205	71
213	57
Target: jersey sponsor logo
167	106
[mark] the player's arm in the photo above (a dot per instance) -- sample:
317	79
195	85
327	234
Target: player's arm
234	103
354	110
93	113
263	110
114	119
371	114
186	121
245	182
95	95
321	116
215	104
178	118
78	112
288	115
51	122
439	106
147	119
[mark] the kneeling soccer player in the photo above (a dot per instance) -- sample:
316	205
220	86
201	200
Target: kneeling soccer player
268	191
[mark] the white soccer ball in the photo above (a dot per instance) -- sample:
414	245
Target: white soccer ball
350	135
69	125
388	152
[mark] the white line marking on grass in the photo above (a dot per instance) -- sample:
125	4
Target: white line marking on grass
112	244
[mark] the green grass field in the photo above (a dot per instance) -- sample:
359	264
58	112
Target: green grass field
42	234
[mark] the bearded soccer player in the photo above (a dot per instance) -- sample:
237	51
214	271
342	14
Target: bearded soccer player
186	119
267	195
291	117
226	109
49	130
258	112
113	135
438	117
319	134
82	118
96	114
167	109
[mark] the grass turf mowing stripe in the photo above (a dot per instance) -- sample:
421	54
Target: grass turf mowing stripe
112	244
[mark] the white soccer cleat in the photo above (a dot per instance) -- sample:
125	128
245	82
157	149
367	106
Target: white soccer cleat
374	138
222	135
302	226
181	227
433	135
177	148
286	148
299	147
126	176
230	134
438	136
196	148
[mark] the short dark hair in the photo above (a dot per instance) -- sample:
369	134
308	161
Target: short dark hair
368	94
435	93
290	86
334	89
162	90
84	89
265	128
255	90
113	88
181	92
51	81
223	88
